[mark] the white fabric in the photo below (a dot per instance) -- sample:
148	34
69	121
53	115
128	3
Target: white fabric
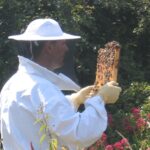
43	29
34	86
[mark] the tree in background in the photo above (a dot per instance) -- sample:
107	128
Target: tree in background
96	21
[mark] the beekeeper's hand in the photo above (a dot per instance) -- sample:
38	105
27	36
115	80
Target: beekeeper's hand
79	97
110	92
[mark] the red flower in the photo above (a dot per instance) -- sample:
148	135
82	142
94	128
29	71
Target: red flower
109	147
118	146
103	137
124	142
140	123
136	112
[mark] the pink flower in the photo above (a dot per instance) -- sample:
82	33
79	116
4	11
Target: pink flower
124	142
118	146
136	112
140	123
103	137
109	147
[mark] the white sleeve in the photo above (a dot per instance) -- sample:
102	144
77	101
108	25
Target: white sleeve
73	128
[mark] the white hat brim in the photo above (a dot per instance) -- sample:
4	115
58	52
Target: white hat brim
31	37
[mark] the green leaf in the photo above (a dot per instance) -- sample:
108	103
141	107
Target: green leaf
42	127
42	138
37	121
53	144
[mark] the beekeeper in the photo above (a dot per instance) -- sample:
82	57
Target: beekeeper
35	112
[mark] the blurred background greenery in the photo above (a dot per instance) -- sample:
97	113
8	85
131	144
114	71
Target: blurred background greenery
97	21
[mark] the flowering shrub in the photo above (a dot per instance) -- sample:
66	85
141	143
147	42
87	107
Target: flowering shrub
128	121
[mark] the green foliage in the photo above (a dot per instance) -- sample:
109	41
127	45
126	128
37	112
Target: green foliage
44	130
131	117
42	138
97	22
128	120
53	145
135	95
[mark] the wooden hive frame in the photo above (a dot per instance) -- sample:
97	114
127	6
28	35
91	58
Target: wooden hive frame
107	65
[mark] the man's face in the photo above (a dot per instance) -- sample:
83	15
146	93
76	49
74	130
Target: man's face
57	53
